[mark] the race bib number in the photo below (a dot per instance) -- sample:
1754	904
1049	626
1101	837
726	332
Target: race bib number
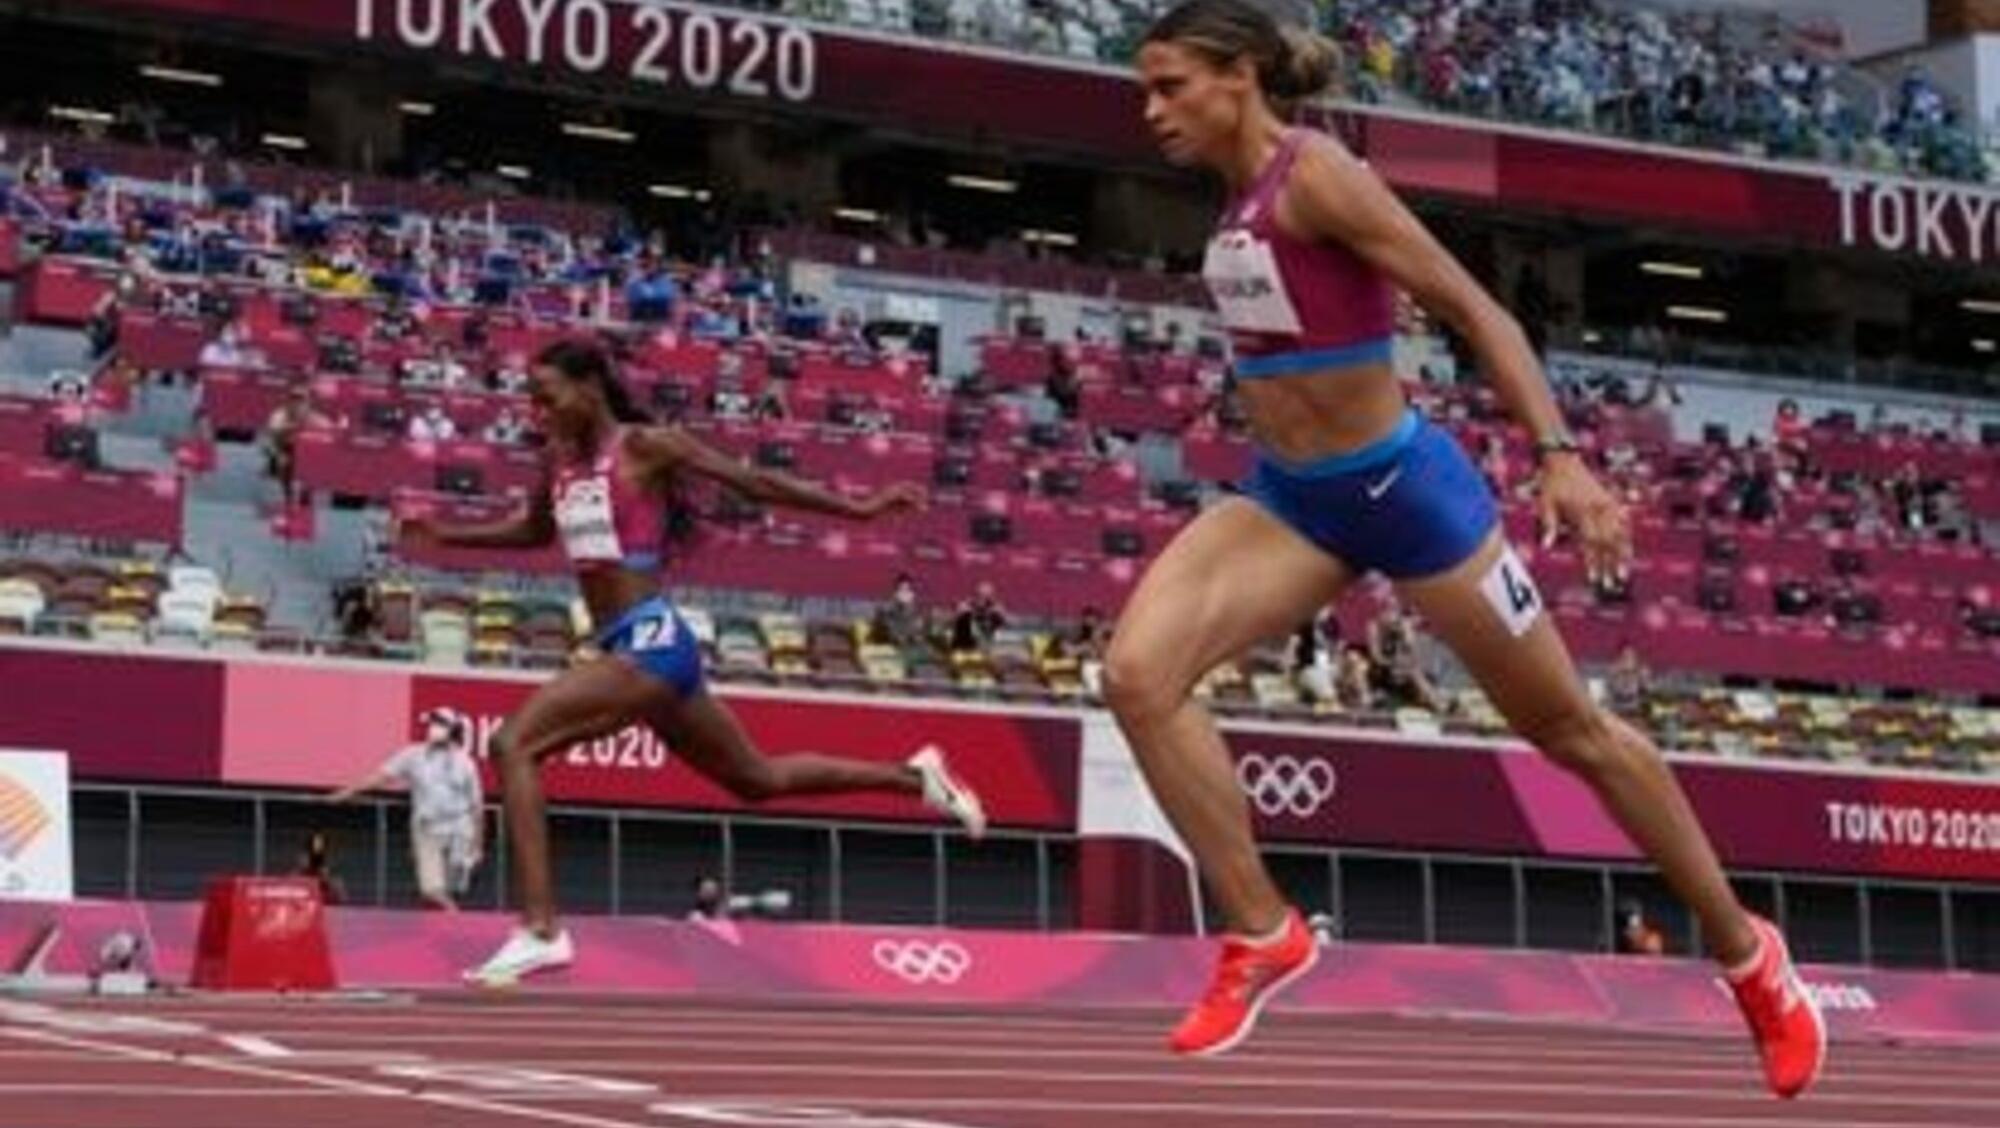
1249	292
584	517
657	633
1511	591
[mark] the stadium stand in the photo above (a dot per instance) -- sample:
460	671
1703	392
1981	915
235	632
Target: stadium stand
371	334
1716	76
407	367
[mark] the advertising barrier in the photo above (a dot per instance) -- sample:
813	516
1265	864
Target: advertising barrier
1395	793
889	966
36	852
275	722
305	725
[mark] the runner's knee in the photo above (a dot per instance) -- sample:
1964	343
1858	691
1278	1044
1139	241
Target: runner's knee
1141	688
1583	740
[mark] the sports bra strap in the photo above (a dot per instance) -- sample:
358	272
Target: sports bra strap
1277	171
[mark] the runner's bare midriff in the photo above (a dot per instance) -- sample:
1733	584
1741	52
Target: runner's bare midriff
1309	417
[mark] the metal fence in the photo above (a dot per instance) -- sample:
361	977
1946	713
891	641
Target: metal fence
165	843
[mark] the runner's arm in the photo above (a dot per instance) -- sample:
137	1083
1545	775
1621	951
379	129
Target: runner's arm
532	527
668	450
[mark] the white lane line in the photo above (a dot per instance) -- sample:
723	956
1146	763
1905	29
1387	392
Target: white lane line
777	1043
1445	1039
1330	1069
252	1045
624	1012
1748	1089
1298	1029
335	1085
95	1090
1080	1112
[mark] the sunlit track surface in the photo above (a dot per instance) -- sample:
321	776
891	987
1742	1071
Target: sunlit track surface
462	1060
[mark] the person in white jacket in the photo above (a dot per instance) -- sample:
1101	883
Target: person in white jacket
447	806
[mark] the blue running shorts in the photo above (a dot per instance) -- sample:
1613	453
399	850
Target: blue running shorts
654	637
1409	506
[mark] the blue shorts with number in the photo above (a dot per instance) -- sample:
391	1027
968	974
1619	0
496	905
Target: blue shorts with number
1410	506
654	637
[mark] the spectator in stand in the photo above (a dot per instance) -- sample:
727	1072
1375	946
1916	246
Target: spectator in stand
1906	493
1871	521
977	620
508	428
451	374
1062	386
511	377
730	403
771	404
1756	486
1691	77
1092	635
1393	648
900	621
1788	426
1661	391
1493	463
397	323
873	420
1955	520
476	333
846	332
355	613
281	434
652	294
713	321
1313	648
1354	686
1628	686
432	425
226	350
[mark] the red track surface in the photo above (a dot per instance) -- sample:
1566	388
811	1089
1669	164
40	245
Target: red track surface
524	1059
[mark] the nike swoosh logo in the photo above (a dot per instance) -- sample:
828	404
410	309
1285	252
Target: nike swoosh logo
1376	491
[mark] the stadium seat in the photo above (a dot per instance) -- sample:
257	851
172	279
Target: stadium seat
185	617
444	636
117	629
21	606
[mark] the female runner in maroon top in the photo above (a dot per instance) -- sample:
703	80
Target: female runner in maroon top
1351	480
611	481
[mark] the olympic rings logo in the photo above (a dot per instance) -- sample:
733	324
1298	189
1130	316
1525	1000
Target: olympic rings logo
1287	785
918	962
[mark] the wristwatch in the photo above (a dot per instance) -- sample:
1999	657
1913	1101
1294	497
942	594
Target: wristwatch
1562	442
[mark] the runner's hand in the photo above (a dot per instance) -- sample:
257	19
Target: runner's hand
903	497
1571	499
